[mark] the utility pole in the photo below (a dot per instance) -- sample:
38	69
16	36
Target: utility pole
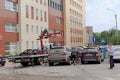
116	25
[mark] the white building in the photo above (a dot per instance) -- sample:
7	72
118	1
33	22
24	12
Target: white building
33	18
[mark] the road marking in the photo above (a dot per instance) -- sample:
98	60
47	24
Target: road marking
109	79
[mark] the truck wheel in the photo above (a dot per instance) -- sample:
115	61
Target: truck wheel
24	64
51	63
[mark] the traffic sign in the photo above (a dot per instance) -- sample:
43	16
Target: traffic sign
94	39
103	40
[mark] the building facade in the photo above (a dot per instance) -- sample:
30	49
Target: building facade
56	21
8	27
22	21
89	35
74	22
33	19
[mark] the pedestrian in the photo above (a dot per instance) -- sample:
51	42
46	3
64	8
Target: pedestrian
73	56
111	54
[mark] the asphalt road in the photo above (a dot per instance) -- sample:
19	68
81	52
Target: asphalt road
90	71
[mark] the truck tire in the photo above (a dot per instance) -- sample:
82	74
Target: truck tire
24	64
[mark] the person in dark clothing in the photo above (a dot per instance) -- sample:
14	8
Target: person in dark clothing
73	56
111	54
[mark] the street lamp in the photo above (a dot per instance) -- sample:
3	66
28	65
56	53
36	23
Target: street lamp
116	25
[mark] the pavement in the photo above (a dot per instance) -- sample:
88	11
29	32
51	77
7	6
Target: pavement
90	71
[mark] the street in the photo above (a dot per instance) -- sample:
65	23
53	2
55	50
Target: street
90	71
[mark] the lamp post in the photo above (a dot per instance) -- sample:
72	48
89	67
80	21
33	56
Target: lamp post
116	25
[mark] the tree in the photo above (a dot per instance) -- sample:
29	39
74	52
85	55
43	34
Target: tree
109	36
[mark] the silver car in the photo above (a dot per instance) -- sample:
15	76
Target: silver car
116	54
59	55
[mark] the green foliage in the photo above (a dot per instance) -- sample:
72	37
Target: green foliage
109	36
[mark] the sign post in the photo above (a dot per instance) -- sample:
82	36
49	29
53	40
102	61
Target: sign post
94	39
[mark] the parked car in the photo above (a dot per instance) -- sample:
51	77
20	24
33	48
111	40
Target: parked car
2	60
91	54
59	55
116	54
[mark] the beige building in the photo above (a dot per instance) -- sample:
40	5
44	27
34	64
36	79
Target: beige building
89	35
33	18
74	22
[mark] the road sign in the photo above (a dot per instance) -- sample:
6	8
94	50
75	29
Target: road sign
94	39
103	40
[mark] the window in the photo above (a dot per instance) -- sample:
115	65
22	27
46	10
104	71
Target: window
27	28
50	3
32	44
9	5
58	20
37	29
11	48
51	31
27	44
32	13
27	11
32	28
53	4
59	43
58	31
10	27
45	16
40	1
36	14
45	2
37	44
41	15
36	1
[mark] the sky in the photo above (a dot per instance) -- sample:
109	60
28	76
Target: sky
98	15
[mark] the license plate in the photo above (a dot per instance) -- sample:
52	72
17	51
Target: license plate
18	61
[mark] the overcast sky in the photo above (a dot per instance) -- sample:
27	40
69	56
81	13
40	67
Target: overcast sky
99	17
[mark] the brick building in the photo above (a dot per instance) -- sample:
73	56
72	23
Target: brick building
8	26
56	21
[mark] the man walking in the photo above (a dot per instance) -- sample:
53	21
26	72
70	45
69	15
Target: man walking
111	54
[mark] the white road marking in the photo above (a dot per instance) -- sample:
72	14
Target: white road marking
109	79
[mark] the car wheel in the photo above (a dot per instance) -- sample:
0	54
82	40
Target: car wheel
3	64
82	62
51	63
24	64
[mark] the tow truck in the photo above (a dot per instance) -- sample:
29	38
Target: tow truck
33	56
